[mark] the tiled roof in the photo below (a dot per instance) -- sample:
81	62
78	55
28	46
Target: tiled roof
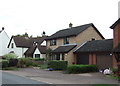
73	31
25	41
32	49
117	22
64	49
96	46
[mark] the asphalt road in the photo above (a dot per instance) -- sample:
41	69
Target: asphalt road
14	79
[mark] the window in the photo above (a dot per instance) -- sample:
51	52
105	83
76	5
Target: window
66	40
53	42
37	55
12	45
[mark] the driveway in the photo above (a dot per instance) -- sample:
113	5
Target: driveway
57	77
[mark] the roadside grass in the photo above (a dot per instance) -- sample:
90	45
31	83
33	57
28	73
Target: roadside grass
10	68
113	77
105	85
44	66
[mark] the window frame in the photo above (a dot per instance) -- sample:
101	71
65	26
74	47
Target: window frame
53	42
66	40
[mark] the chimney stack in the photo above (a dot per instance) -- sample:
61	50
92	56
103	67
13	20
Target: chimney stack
3	28
70	25
43	34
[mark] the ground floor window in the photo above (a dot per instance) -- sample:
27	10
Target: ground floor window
37	55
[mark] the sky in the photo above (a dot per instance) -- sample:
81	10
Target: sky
36	16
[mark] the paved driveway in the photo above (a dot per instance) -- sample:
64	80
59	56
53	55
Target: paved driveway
57	77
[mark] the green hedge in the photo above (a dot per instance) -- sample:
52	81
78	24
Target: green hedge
4	63
57	65
81	68
24	62
10	56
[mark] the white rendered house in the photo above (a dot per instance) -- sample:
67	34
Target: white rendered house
4	40
27	47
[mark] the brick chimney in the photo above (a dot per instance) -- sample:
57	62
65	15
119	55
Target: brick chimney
116	33
70	25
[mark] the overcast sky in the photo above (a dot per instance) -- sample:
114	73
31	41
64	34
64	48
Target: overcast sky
36	16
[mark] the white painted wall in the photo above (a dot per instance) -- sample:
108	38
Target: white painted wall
43	43
17	50
4	40
38	52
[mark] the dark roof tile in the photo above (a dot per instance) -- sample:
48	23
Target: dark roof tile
73	31
117	22
96	46
64	49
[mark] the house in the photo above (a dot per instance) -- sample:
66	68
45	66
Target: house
64	42
103	53
116	43
24	46
98	52
4	39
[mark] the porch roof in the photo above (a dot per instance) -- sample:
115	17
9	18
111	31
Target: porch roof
64	49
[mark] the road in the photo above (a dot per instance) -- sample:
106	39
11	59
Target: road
14	79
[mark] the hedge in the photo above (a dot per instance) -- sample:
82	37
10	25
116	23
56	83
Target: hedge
24	62
81	68
4	63
57	65
13	62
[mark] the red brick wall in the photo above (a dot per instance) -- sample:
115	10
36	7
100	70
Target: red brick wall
116	33
116	41
92	58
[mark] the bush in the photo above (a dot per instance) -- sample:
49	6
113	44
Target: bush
9	56
57	65
12	62
81	68
24	62
38	59
4	63
10	68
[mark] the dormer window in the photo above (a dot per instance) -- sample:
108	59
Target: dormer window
12	45
52	42
66	40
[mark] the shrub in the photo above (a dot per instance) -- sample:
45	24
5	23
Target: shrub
4	63
12	62
81	68
9	56
10	68
57	65
24	62
38	59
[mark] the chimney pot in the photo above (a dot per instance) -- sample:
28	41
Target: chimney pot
70	25
3	28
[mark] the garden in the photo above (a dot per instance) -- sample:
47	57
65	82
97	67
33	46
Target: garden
12	62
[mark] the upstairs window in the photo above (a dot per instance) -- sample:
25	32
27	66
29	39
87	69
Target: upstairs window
66	40
52	42
12	45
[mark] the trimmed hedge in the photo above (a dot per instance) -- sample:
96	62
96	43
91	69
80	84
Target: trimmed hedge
81	68
24	62
12	62
4	63
9	56
57	65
